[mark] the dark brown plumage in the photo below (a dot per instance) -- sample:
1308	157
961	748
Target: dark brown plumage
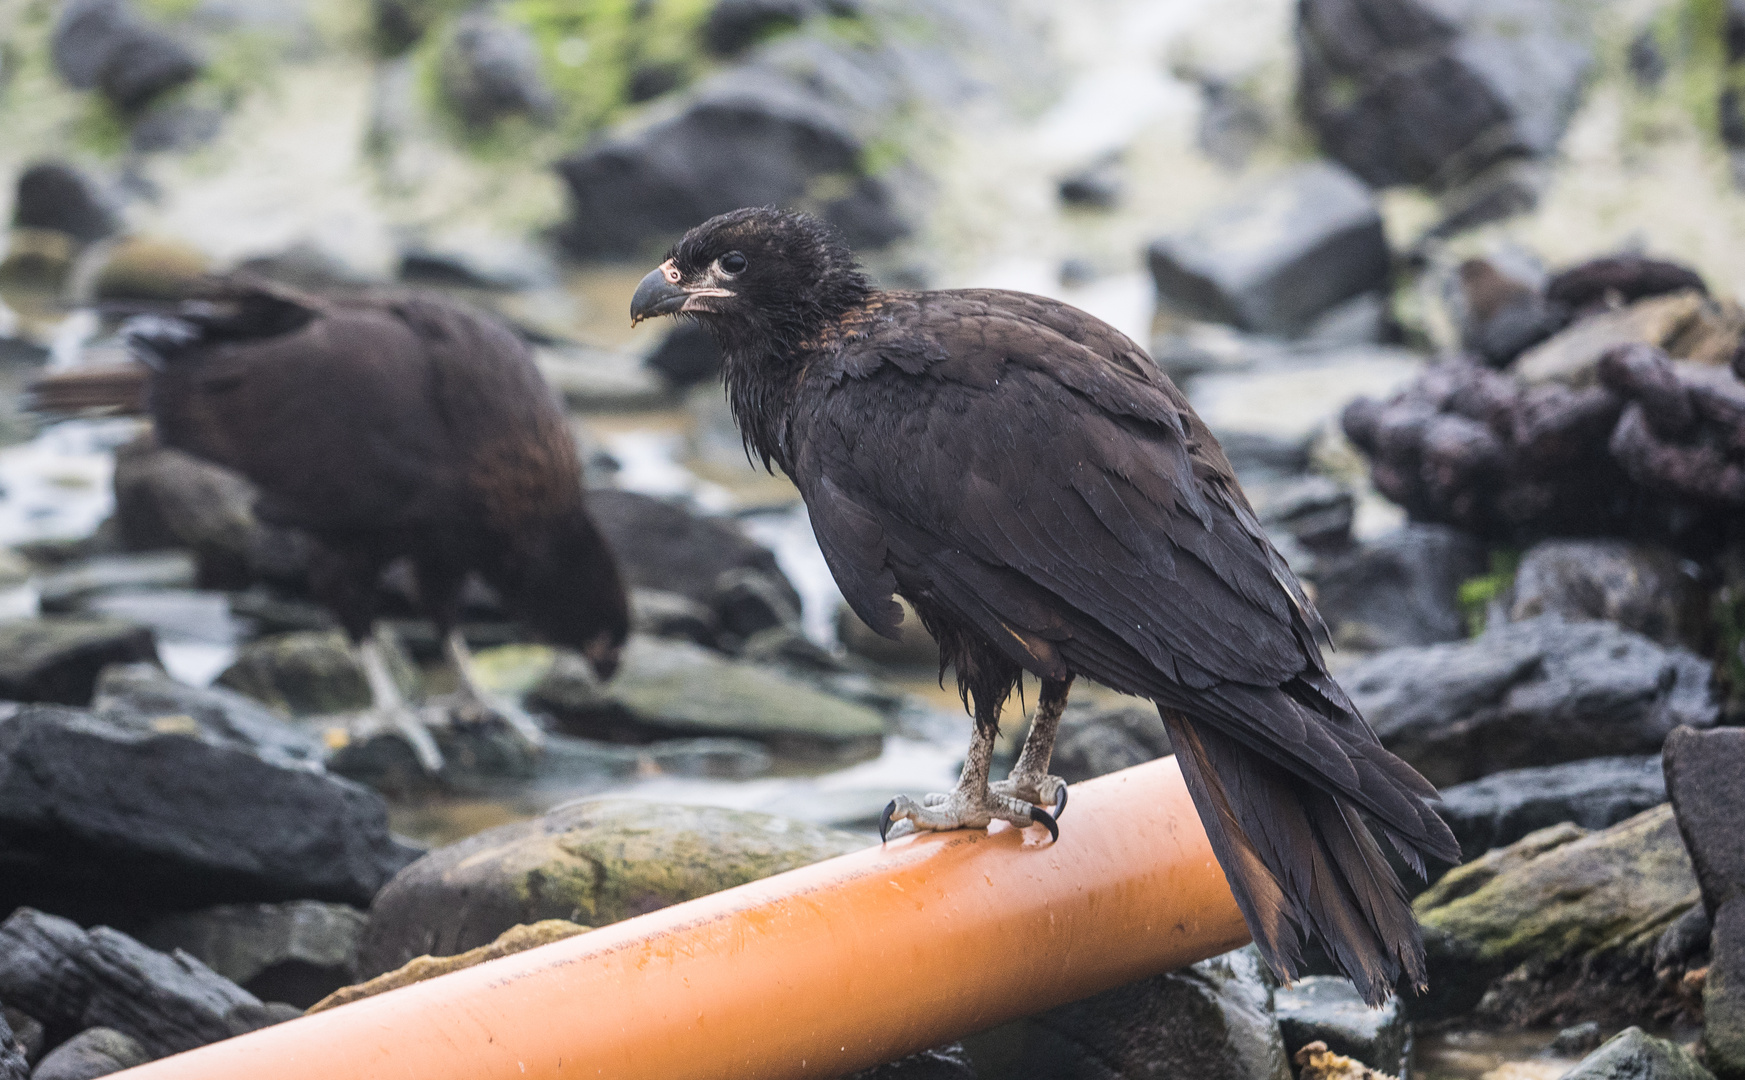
1026	477
386	427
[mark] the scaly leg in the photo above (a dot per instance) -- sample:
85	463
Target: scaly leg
1030	779
388	708
474	702
970	805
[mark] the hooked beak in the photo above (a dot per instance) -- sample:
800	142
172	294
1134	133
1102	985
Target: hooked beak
657	294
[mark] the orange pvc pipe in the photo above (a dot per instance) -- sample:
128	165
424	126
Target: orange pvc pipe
812	973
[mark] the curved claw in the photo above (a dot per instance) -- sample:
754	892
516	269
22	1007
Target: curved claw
885	819
1060	803
1044	818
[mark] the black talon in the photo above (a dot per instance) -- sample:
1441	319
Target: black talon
885	819
1043	817
1060	803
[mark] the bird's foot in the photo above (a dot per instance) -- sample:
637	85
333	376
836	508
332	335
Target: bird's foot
961	809
1038	788
407	723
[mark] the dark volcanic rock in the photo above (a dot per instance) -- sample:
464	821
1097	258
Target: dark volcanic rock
1619	279
1640	587
1705	775
91	1053
72	980
57	659
1403	92
143	698
107	45
53	195
687	356
1274	261
1595	794
1328	1009
490	69
296	953
1632	1054
1537	692
1398	589
95	816
941	1063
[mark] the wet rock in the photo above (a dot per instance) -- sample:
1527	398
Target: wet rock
1559	927
13	1063
1632	1054
666	689
94	1052
1399	589
1232	123
1616	280
106	44
27	1034
1594	794
687	356
57	659
735	25
749	602
72	979
297	952
67	587
591	863
511	941
942	1063
86	803
141	697
1327	1009
54	195
1703	771
1538	692
1687	324
306	674
914	647
1094	742
1209	1021
600	380
476	258
1581	1039
1404	93
1314	511
1640	587
1096	186
1501	316
1274	261
490	70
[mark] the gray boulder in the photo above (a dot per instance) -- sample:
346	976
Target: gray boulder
1724	993
309	673
1641	588
72	979
54	195
1633	1054
57	659
735	25
141	697
97	818
1409	92
1328	1009
107	45
1505	806
69	587
94	1052
1274	261
1538	692
13	1063
27	1033
297	953
490	70
1399	589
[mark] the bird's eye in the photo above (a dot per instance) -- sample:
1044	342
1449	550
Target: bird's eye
733	263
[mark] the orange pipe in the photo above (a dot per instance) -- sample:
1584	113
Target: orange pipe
812	973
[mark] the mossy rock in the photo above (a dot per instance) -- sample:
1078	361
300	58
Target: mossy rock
310	673
149	268
591	863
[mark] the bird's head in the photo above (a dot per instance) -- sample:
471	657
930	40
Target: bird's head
760	279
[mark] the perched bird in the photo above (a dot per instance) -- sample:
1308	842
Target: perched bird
391	427
1047	500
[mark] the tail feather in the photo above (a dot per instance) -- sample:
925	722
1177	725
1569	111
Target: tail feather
1300	860
115	389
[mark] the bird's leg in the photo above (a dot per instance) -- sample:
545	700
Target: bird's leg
1030	779
388	707
970	805
473	699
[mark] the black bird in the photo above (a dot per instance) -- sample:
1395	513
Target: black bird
1042	494
387	427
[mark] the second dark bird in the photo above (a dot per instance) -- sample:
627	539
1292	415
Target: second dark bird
397	426
1045	497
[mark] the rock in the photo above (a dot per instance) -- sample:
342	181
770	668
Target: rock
1314	511
942	1063
57	659
1537	692
1594	794
1399	589
13	1063
305	674
1582	1039
1097	186
1406	93
107	45
792	128
141	697
27	1033
1615	280
1632	1054
297	952
663	545
669	615
1328	1010
511	941
1703	770
1561	926
671	689
54	195
85	801
72	979
94	1052
735	25
1274	261
1687	324
67	587
1316	1062
1207	1022
1093	741
476	258
687	356
1500	316
1724	994
490	70
600	380
914	648
1640	587
1232	123
589	862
